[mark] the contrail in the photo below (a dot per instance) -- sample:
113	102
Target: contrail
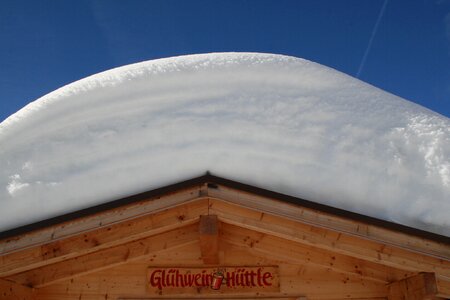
374	31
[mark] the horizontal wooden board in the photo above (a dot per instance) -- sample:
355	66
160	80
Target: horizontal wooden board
129	280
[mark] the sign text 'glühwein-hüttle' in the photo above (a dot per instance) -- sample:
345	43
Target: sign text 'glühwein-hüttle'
213	280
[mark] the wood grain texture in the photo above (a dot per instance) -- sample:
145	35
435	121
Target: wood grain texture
13	291
209	239
107	258
100	219
419	287
129	280
102	238
327	239
329	221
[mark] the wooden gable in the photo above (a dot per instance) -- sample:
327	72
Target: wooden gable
318	252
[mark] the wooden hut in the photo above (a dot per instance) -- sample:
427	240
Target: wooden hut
213	238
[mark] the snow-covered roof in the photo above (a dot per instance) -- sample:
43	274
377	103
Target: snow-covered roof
277	122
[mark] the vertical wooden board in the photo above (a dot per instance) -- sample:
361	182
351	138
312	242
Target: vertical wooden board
422	286
209	239
443	286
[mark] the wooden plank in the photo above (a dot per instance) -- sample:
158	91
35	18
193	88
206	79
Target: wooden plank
101	219
443	287
107	258
328	285
260	244
209	239
265	204
129	281
290	297
110	297
327	239
228	298
13	291
233	298
102	238
329	221
420	287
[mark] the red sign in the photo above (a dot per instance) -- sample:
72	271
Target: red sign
213	280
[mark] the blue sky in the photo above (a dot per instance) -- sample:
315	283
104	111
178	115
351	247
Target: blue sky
403	48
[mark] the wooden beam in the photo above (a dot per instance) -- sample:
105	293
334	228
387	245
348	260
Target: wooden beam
443	286
253	201
102	238
329	221
93	262
327	239
12	291
209	239
101	219
264	245
420	287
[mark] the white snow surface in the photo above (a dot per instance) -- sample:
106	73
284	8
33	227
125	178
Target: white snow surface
277	122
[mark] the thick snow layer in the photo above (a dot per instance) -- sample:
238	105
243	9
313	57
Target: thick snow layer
277	122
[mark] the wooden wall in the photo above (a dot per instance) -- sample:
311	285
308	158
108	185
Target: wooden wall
319	255
296	279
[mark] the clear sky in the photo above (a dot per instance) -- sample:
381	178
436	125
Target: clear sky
401	46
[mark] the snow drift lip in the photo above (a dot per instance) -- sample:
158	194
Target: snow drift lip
215	182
